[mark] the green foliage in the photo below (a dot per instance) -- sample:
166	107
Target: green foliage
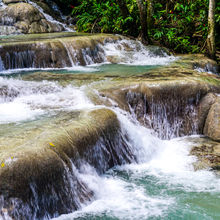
180	25
101	16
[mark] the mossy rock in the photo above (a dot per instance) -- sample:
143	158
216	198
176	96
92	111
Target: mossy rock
27	19
38	176
207	152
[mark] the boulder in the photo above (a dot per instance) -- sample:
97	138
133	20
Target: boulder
212	124
203	109
25	18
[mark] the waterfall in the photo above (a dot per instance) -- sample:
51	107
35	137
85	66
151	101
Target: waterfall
67	157
20	60
84	56
49	18
2	68
55	8
2	5
168	111
89	52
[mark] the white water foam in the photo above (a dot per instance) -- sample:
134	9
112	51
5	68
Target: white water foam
126	52
49	18
71	69
133	52
25	100
118	198
207	70
167	161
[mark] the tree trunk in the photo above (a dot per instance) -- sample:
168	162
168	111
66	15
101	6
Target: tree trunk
143	20
211	30
149	15
130	25
123	8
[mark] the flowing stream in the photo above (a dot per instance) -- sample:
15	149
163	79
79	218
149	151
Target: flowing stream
160	183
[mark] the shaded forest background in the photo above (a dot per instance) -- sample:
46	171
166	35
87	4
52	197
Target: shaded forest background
179	25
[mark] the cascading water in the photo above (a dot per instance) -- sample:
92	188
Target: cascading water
24	100
10	24
128	173
168	112
2	68
2	5
158	186
49	18
121	51
132	52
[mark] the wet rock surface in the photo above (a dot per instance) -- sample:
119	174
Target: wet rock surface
38	160
172	106
212	124
207	153
26	19
203	109
46	165
64	50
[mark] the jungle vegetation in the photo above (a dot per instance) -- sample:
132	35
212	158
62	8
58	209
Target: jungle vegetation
181	25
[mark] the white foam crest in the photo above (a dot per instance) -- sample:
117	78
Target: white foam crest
173	166
119	199
133	52
169	160
73	68
69	98
144	144
15	112
49	18
2	5
25	100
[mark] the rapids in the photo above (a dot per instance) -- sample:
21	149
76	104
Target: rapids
158	183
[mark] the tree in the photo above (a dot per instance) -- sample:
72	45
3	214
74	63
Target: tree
211	30
125	13
123	8
149	16
143	20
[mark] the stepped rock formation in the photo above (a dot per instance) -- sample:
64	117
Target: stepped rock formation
60	50
47	165
173	100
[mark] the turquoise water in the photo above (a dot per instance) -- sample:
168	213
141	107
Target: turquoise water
163	185
110	70
171	201
162	188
